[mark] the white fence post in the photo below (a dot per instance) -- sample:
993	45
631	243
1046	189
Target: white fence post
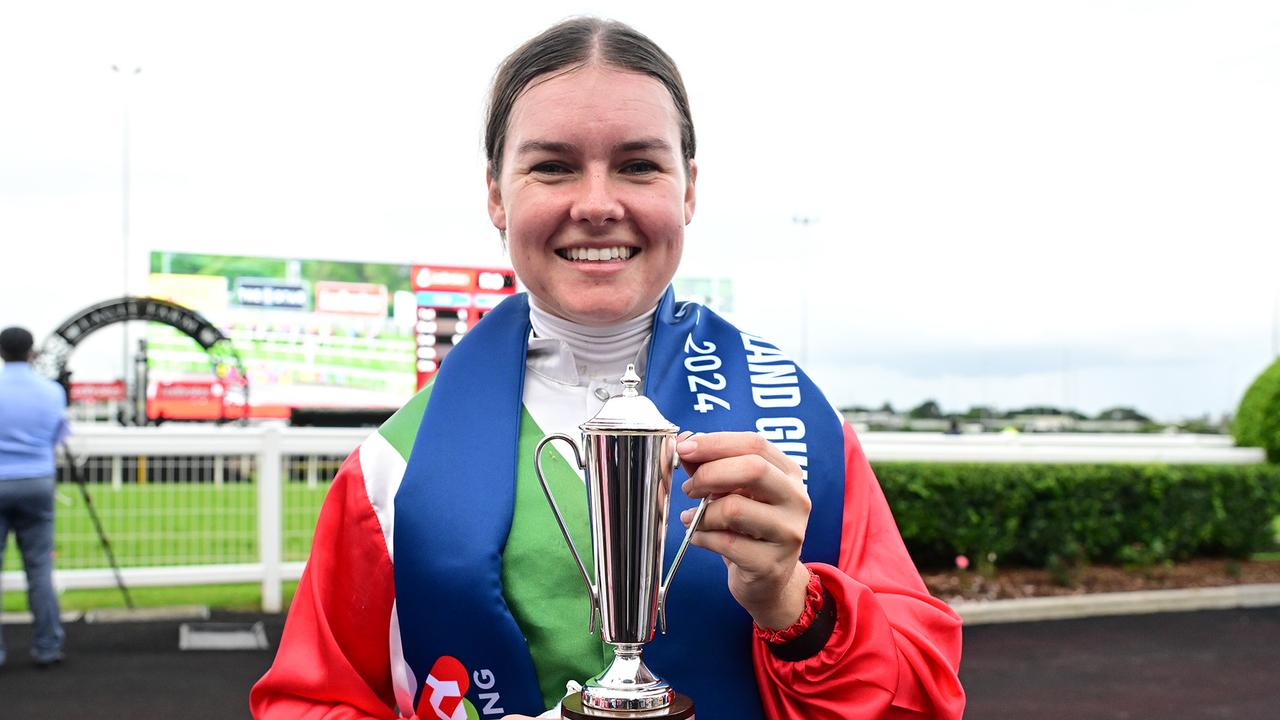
269	519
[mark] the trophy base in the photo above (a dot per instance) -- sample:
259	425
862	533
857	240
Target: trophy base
681	708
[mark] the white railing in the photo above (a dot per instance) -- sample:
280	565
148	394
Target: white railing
185	505
1179	449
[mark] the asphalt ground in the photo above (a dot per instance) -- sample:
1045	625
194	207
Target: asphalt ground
1214	664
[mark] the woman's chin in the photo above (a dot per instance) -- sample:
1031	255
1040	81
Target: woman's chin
599	311
602	317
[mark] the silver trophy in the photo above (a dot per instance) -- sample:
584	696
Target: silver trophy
630	457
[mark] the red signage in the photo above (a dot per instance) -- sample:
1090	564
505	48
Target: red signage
98	391
187	400
437	277
345	298
189	390
500	281
450	301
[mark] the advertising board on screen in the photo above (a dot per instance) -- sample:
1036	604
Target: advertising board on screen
311	333
322	334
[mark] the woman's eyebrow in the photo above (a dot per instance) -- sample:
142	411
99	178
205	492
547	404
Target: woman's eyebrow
642	144
553	146
545	146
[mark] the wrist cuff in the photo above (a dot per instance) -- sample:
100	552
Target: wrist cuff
812	640
808	635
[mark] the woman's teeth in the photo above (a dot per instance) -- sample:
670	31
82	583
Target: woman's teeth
598	254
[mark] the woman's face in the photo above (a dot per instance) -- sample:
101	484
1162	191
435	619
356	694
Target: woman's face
593	193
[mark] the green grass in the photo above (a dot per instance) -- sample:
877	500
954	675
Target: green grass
245	597
175	523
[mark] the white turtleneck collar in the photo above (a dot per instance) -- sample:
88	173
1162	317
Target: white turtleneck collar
593	352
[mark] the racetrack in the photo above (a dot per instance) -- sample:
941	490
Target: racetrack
1216	664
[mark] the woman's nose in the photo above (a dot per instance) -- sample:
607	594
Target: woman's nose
597	201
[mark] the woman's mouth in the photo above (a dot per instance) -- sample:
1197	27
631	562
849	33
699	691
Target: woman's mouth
604	254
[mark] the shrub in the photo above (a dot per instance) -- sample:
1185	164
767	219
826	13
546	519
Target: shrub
1257	422
1063	515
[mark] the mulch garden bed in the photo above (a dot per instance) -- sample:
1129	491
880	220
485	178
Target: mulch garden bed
951	585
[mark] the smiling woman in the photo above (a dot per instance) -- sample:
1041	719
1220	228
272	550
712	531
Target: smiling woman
438	585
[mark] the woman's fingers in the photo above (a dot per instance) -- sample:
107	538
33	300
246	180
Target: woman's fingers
706	447
745	516
748	555
751	475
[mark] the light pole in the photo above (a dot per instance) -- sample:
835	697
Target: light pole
804	221
124	215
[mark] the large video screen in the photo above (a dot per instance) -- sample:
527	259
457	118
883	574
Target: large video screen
310	333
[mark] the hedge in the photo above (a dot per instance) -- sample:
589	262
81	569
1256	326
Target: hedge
1257	421
1048	515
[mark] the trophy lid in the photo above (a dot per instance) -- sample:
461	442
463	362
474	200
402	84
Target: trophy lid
630	411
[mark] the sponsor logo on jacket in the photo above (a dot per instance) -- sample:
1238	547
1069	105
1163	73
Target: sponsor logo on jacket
444	693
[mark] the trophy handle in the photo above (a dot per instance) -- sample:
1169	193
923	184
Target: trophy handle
675	564
564	529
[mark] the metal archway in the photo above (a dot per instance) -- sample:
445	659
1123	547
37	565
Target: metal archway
225	361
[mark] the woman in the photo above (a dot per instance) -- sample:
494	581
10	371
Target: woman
438	585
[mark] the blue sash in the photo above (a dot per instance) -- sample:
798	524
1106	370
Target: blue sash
453	510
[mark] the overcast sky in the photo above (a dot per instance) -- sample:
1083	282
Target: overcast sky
1013	203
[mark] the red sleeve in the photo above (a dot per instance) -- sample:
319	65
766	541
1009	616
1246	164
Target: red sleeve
334	659
895	650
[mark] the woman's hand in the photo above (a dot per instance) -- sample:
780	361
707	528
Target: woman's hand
756	521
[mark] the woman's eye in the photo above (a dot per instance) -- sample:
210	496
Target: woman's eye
639	167
550	168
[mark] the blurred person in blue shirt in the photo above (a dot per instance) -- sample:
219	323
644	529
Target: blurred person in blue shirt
33	423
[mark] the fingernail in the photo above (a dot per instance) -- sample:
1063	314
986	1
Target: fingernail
684	487
687	446
686	516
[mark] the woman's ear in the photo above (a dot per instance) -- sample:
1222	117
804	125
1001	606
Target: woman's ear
690	194
497	212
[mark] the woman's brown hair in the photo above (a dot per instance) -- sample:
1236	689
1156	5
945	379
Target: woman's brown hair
571	44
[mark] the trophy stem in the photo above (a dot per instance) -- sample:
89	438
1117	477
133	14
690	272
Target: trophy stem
627	651
627	684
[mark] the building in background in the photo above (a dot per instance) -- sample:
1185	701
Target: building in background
315	334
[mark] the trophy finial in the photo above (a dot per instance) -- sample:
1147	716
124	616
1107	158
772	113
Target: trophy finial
630	381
